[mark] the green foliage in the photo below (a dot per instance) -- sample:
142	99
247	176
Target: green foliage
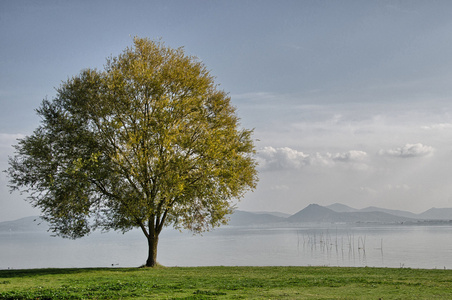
227	283
146	142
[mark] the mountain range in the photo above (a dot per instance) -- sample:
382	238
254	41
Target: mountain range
431	214
313	213
340	213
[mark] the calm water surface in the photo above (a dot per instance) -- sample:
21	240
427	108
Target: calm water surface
306	245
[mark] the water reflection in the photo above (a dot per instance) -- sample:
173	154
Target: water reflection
345	250
313	245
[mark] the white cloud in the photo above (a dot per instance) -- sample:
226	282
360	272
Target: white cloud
409	150
270	158
367	190
439	126
352	155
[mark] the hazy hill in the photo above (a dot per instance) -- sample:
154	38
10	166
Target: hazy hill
400	213
317	213
273	213
33	223
436	214
431	214
243	218
338	207
374	217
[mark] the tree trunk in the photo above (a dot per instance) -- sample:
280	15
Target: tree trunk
152	257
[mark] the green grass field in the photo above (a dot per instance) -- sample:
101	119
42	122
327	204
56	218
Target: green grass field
227	283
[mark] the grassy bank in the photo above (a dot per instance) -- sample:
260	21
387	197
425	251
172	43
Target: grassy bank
227	283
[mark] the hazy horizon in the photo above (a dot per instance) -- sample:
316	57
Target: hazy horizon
350	100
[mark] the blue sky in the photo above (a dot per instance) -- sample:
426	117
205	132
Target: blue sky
351	101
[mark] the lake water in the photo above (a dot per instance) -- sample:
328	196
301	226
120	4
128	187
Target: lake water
307	245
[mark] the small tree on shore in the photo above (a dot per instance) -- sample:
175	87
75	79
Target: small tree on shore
149	141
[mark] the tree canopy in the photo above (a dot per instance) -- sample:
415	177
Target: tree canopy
147	142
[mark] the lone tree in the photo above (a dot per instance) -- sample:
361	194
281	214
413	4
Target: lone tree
147	142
